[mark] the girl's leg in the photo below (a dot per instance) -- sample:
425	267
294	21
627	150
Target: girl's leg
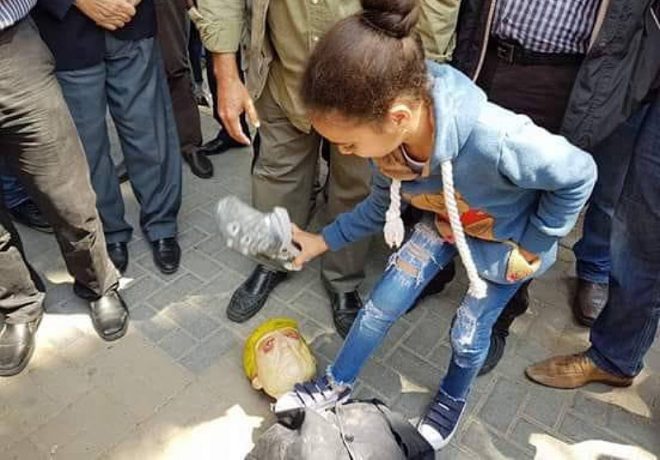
470	339
408	271
406	275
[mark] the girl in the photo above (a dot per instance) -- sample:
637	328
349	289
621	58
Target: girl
497	190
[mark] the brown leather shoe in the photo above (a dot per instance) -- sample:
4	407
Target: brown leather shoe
589	301
572	371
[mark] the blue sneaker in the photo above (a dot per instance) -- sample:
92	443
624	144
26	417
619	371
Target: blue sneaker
441	420
318	394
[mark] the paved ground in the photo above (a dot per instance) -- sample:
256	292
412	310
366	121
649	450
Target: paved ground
173	388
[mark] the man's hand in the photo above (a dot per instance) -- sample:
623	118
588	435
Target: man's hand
109	14
233	97
311	246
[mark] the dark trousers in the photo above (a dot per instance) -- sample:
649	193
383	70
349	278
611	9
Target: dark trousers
39	141
173	31
195	50
12	189
627	327
539	91
130	82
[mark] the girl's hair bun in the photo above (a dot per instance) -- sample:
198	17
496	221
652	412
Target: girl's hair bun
396	18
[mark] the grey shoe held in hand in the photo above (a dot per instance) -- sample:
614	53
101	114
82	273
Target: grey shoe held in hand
263	236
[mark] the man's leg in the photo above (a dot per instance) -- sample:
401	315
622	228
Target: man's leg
173	32
39	139
85	93
283	175
140	105
625	330
593	250
20	206
223	141
12	189
348	183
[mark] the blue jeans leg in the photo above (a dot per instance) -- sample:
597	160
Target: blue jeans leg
85	93
612	157
408	272
140	105
13	192
470	337
626	328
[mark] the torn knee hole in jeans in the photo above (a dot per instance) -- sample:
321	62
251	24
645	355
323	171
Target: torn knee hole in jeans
419	257
465	327
373	312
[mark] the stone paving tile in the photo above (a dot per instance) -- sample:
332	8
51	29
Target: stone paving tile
580	430
638	429
503	404
415	369
488	444
431	329
191	318
174	291
207	353
525	434
177	343
201	265
545	405
152	324
140	289
174	386
24	450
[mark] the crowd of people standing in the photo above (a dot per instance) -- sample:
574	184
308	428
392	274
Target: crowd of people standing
582	76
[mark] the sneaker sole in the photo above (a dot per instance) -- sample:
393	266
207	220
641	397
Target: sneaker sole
317	408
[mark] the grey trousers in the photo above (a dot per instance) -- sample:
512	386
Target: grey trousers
131	83
173	33
283	175
39	141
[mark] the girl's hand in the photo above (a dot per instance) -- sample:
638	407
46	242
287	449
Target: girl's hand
530	257
311	246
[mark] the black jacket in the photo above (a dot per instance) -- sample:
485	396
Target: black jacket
621	69
76	41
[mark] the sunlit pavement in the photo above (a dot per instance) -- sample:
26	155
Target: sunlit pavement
173	388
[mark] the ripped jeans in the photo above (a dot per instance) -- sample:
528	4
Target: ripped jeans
409	270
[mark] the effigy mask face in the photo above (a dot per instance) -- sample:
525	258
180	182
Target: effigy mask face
282	359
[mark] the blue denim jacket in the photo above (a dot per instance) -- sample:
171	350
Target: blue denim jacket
517	185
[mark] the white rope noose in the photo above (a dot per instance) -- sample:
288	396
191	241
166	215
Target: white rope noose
478	287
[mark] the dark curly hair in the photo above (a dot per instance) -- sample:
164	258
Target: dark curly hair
366	61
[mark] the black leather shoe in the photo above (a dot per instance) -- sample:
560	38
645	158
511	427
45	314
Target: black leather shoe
589	301
220	144
28	214
167	254
251	296
345	308
118	253
109	316
199	164
16	346
437	284
517	306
